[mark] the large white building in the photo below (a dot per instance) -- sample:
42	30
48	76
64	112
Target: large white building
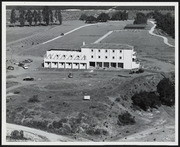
95	55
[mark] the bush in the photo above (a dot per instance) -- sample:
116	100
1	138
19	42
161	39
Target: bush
91	19
140	18
57	124
34	99
126	119
103	17
146	100
97	131
17	134
166	90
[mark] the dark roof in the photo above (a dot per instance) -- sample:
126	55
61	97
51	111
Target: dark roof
108	46
135	26
78	50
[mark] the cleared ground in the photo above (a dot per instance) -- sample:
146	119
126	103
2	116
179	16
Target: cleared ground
61	98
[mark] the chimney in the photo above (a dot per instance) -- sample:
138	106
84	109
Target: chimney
84	43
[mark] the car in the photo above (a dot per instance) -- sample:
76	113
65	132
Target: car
62	34
70	75
28	79
10	68
25	67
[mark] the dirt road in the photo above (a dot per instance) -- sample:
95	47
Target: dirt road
164	38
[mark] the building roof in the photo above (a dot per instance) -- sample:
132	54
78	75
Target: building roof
64	49
108	46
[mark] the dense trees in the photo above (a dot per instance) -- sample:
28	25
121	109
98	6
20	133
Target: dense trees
103	17
13	16
165	22
166	90
120	15
35	17
91	19
140	18
165	95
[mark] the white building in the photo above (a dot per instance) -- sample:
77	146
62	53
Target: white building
101	55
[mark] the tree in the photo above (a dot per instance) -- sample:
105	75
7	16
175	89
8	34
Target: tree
166	90
39	16
146	100
140	18
103	17
13	16
124	15
22	17
83	17
51	16
91	19
35	17
45	14
59	17
117	16
29	17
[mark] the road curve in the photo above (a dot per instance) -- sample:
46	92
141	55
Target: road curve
164	38
50	136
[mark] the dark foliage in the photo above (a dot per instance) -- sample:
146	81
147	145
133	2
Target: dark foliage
22	17
13	16
120	15
17	134
29	17
146	100
166	90
140	18
165	22
103	17
126	119
91	19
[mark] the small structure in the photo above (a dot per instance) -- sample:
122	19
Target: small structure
135	26
86	97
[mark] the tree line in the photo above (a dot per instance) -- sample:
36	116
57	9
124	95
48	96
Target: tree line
165	22
104	17
37	17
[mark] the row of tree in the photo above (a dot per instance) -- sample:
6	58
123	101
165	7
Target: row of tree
38	17
104	17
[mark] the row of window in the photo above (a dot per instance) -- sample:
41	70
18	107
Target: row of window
107	51
106	57
55	63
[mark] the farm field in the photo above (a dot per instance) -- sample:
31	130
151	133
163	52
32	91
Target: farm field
60	107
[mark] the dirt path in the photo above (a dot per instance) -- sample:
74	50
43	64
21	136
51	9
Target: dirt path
103	37
49	136
164	38
68	33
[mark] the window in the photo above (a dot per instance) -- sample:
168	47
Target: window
91	50
91	56
99	57
64	55
106	51
113	57
99	50
113	51
120	57
120	51
106	57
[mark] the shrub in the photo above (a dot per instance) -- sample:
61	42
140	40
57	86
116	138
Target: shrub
103	17
166	90
17	134
34	99
117	99
57	124
126	119
146	100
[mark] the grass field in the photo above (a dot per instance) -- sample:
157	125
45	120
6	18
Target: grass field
60	107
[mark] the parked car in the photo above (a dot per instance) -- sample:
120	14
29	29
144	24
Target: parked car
62	34
10	68
25	67
28	79
21	64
